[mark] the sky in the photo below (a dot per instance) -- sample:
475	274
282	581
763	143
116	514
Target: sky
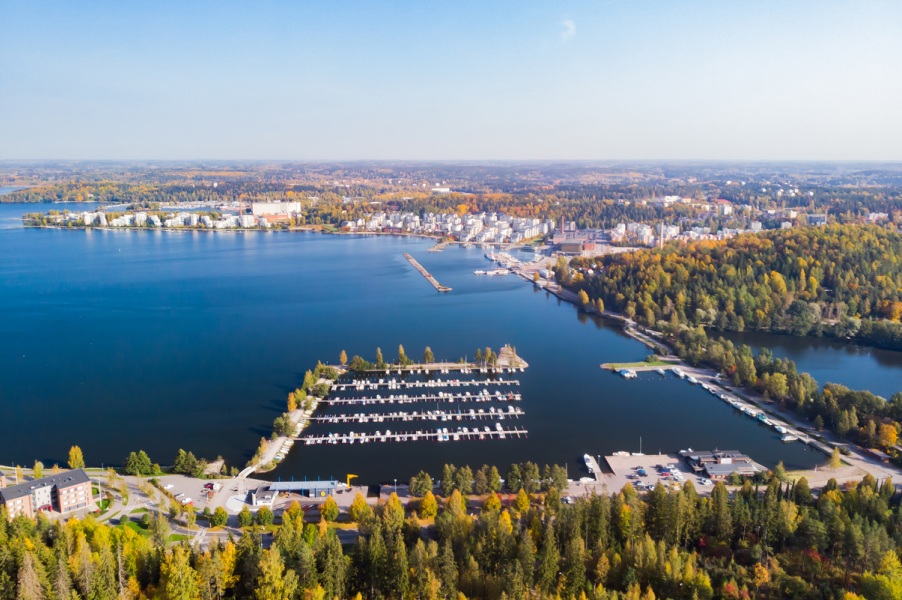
452	80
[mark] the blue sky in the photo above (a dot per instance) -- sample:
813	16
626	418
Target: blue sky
601	79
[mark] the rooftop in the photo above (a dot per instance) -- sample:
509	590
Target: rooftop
62	480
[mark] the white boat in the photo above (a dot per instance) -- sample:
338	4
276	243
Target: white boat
621	453
479	272
588	460
660	371
693	380
627	373
789	438
780	429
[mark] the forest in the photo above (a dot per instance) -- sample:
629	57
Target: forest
774	541
840	280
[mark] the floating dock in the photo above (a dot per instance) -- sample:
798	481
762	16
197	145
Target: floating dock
430	415
397	385
426	274
414	436
404	399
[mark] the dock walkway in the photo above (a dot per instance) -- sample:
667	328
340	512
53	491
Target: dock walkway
430	415
596	470
370	385
404	399
413	436
426	274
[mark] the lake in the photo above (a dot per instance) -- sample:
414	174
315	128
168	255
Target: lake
126	340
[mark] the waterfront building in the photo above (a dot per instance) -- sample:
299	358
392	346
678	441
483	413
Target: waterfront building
61	493
720	464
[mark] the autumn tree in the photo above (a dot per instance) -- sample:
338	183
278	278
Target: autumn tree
76	459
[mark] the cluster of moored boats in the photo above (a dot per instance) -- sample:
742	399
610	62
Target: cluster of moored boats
394	384
426	415
760	416
481	396
441	434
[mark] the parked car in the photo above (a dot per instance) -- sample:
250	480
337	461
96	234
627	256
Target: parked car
168	486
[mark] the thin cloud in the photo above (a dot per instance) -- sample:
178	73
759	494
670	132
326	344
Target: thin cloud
568	30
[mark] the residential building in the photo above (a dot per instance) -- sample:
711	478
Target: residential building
61	493
275	208
817	219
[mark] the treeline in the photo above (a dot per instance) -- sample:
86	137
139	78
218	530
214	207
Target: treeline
487	357
779	541
843	280
860	416
185	463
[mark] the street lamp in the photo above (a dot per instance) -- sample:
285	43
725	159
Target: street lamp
396	486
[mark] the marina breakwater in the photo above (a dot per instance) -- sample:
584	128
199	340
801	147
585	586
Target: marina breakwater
426	274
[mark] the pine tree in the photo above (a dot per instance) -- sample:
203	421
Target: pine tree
29	582
447	480
546	577
448	571
494	480
343	358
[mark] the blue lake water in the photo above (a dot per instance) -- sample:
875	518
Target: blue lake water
125	340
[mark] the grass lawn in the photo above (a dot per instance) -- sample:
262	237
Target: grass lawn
137	528
636	365
138	510
177	537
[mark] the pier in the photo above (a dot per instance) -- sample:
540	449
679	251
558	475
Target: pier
440	397
396	385
426	274
413	436
593	464
430	415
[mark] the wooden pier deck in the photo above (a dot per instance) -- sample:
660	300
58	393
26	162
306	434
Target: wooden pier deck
413	436
444	397
432	415
596	470
444	368
372	385
425	273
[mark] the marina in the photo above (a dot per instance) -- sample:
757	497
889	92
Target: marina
426	274
426	415
482	396
439	434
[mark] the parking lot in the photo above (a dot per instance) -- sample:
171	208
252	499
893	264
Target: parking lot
190	487
626	469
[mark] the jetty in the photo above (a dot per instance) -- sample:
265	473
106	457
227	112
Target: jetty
426	415
439	435
592	464
426	274
440	397
392	384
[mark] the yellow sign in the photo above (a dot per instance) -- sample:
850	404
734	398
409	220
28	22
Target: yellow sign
350	477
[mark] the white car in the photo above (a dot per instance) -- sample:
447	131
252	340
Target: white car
186	501
168	486
706	482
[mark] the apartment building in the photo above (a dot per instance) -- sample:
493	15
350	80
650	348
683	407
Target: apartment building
62	493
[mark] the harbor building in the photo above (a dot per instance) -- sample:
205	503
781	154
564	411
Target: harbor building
62	493
720	464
